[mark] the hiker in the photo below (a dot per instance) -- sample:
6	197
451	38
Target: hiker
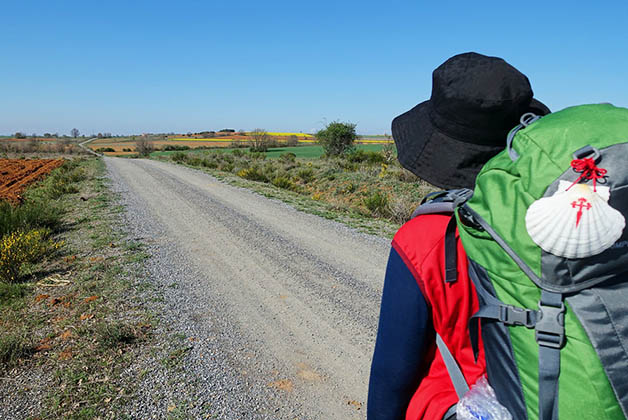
476	100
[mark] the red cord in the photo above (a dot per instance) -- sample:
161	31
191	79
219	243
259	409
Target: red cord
589	171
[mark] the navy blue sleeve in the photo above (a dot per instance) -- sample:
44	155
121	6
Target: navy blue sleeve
400	345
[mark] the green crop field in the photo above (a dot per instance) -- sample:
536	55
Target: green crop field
301	152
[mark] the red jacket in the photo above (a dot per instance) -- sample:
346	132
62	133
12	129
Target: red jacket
420	244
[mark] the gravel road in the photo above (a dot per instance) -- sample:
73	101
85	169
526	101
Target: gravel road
279	307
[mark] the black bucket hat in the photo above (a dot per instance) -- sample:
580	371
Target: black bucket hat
476	100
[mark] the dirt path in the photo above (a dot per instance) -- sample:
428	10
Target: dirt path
296	296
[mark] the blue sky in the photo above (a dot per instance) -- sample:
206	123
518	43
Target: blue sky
161	66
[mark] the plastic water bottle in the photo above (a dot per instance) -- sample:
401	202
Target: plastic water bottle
480	403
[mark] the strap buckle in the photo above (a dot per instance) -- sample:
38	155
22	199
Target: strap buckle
513	315
550	326
460	196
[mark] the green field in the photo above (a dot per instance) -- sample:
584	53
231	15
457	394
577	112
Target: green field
301	152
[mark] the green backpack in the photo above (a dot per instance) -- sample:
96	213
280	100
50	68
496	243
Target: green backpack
554	324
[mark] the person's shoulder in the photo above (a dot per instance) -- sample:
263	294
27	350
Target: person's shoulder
419	236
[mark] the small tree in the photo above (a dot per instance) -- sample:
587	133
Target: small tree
144	146
261	140
74	132
292	141
33	144
337	137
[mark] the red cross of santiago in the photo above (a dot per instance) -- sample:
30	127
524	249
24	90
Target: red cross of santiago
581	204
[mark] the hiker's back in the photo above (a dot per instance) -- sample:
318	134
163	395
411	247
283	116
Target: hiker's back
551	274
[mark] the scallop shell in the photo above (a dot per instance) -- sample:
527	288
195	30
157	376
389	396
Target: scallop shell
575	223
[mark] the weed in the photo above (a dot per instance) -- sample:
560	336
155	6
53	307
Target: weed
10	293
114	334
175	357
406	176
377	203
14	347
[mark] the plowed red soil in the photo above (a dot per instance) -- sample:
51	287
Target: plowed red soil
17	174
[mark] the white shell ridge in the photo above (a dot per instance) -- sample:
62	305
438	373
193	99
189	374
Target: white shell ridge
575	222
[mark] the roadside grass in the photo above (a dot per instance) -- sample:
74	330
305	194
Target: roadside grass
72	318
366	189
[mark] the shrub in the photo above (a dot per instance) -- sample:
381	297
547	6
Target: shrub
19	248
194	161
114	335
10	293
348	166
238	143
261	140
30	215
257	156
14	347
60	181
306	175
377	204
253	173
59	185
144	146
359	156
388	153
292	141
287	157
406	176
337	138
209	163
175	147
105	149
401	208
179	157
237	153
226	167
283	182
350	188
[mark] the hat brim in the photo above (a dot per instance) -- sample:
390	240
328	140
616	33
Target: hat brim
437	158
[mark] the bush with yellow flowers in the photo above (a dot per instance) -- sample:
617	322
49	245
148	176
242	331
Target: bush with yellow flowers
22	247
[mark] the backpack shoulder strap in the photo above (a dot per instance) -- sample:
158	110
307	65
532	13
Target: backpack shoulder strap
446	202
443	202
